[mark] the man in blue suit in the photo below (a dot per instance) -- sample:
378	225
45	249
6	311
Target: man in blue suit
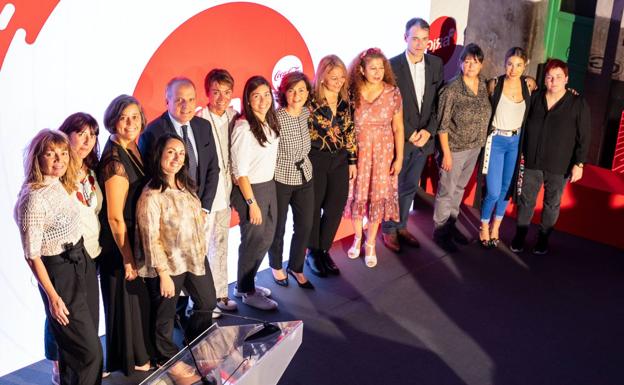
419	77
195	131
203	166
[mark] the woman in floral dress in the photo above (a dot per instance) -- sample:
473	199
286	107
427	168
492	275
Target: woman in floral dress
379	139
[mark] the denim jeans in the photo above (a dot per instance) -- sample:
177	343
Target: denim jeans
409	178
503	156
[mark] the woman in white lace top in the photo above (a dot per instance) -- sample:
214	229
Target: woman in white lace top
49	223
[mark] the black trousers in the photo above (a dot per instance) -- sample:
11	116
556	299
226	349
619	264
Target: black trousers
331	189
255	239
301	200
93	301
80	352
553	189
201	290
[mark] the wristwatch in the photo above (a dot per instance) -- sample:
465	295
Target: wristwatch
249	201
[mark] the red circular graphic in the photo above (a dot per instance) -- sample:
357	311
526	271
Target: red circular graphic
246	39
443	35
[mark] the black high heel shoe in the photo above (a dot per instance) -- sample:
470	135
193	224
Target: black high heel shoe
306	285
282	282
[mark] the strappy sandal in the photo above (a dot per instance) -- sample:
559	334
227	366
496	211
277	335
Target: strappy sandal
355	249
485	243
370	257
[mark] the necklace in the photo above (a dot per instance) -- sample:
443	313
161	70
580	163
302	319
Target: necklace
226	167
137	163
87	184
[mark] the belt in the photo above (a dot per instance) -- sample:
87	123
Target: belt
505	132
74	253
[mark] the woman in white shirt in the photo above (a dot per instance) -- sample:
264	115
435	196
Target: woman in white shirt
50	227
255	140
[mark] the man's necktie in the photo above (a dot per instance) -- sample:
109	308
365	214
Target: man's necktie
191	154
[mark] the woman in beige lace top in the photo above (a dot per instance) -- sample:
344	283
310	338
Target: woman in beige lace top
173	245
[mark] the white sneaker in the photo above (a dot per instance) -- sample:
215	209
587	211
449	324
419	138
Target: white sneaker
226	304
259	301
259	289
216	313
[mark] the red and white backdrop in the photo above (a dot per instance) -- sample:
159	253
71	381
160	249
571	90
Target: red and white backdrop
59	57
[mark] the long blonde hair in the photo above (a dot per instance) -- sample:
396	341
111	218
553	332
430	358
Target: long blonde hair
48	139
327	64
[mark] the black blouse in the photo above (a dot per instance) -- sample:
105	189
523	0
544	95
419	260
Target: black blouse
117	161
556	140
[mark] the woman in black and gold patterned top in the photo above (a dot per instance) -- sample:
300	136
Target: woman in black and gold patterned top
333	157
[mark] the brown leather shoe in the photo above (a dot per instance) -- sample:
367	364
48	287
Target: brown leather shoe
391	241
409	238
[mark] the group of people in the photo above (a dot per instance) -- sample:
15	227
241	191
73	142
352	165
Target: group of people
152	212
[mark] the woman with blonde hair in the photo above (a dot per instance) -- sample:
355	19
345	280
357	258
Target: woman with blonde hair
379	138
333	158
82	130
50	227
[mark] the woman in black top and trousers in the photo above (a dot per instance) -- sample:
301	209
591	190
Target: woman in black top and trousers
333	157
555	149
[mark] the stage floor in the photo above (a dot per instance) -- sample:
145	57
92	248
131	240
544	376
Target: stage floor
475	317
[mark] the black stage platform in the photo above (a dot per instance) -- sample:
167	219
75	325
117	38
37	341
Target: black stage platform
476	317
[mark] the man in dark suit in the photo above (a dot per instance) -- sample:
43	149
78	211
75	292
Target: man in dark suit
195	131
199	142
419	77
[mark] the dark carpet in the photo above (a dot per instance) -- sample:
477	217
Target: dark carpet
475	317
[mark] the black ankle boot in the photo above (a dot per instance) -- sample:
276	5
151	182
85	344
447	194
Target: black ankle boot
314	260
541	246
517	244
330	266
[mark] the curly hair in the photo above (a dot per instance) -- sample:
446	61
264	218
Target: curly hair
357	79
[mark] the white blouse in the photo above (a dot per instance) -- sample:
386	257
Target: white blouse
508	115
89	197
249	158
48	218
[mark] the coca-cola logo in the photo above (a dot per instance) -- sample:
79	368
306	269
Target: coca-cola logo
285	65
443	38
185	52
